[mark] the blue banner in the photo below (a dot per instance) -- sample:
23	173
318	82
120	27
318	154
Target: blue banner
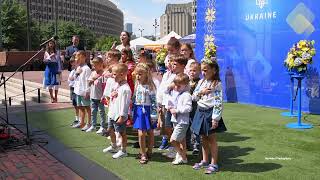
253	39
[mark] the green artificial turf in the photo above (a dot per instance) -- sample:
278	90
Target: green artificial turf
254	134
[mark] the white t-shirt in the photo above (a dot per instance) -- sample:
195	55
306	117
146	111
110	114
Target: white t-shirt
72	74
81	85
162	90
119	105
108	88
182	102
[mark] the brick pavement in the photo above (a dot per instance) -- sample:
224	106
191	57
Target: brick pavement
35	162
24	163
32	162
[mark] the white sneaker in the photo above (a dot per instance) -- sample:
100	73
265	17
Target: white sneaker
119	154
178	157
100	131
86	127
92	128
179	161
76	125
110	149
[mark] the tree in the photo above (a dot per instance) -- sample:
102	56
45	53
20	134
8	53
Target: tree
105	43
65	32
14	20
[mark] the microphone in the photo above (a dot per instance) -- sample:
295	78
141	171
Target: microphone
53	38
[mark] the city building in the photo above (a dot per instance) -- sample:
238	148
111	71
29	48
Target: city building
180	18
128	27
101	16
194	16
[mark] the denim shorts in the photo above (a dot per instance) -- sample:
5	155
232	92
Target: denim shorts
117	127
167	120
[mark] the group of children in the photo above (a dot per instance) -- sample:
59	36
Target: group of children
181	105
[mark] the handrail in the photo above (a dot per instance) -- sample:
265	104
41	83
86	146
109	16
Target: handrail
22	93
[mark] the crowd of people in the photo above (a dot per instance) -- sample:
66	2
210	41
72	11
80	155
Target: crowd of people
185	105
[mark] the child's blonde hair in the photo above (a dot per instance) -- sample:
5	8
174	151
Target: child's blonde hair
181	79
145	69
195	65
120	68
97	60
114	53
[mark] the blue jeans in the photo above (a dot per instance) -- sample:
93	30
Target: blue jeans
95	105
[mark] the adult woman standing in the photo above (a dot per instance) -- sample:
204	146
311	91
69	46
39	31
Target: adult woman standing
53	68
125	38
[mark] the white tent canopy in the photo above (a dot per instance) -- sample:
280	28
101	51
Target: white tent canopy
140	41
166	38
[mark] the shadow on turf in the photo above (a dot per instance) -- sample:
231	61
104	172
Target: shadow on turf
228	158
231	137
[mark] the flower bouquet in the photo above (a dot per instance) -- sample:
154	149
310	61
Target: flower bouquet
210	53
160	59
161	56
299	56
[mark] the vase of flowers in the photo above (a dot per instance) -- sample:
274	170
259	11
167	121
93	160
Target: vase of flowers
211	52
299	56
160	59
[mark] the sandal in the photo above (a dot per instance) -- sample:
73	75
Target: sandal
211	169
139	156
200	165
143	160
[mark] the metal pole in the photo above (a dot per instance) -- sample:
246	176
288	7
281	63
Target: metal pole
56	18
28	25
156	25
299	101
0	25
141	31
39	100
28	140
292	91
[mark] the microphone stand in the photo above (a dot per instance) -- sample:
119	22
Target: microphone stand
28	139
5	101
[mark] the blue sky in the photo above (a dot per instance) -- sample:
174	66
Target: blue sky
143	12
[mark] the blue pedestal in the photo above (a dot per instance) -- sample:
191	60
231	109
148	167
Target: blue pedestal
299	124
290	113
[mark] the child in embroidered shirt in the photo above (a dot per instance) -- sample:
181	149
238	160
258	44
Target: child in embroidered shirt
180	110
82	90
120	98
145	108
71	80
208	117
194	73
96	92
178	66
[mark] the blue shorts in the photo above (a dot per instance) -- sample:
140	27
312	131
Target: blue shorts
82	102
116	127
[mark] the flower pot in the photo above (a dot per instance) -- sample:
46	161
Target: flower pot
295	71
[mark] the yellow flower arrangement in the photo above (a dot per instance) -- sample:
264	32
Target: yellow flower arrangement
210	51
300	55
161	56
